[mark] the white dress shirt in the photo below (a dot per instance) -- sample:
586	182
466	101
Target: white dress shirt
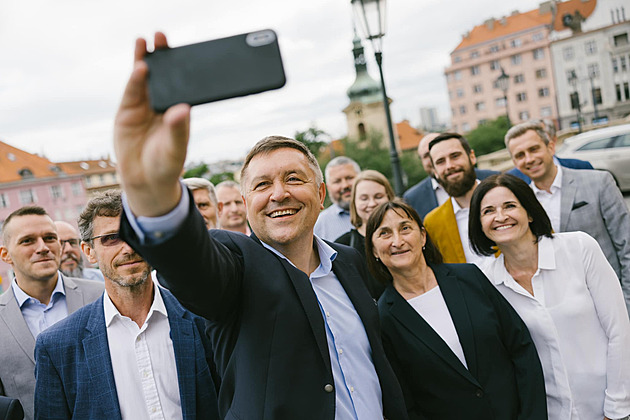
440	193
461	216
143	361
551	201
578	321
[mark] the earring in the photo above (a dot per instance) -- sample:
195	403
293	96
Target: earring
377	259
423	247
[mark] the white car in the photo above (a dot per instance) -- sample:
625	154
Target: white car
607	149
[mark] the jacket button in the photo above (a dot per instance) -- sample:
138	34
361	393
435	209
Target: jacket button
479	393
328	388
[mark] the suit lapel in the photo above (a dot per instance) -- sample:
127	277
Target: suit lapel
457	307
567	197
74	296
99	363
15	323
182	336
454	241
309	302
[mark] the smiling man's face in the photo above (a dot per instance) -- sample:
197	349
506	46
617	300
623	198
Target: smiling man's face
118	262
282	197
33	248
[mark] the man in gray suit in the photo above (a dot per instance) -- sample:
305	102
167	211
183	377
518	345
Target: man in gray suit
38	297
584	200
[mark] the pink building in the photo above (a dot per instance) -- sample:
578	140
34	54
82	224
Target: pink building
518	44
27	179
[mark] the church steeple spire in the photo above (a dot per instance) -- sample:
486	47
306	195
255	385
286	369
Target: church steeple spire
364	89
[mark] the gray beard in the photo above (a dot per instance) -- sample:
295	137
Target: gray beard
77	272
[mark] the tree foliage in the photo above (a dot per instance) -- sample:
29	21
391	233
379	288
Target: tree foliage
197	171
313	138
488	137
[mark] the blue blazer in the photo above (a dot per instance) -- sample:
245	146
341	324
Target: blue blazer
422	197
74	376
567	163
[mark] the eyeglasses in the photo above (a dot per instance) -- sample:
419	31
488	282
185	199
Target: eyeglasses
74	242
110	239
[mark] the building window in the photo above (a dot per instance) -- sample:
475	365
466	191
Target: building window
537	37
500	102
462	109
482	121
465	127
523	115
626	90
27	197
521	97
457	59
622	63
457	75
597	96
494	48
621	39
543	92
614	66
516	59
76	188
541	73
545	111
567	53
515	43
571	75
494	65
590	47
460	92
474	54
574	98
480	106
477	89
593	70
56	192
618	89
4	200
539	54
474	70
518	78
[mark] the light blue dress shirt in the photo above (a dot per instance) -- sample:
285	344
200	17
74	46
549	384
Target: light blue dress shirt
358	392
38	316
332	223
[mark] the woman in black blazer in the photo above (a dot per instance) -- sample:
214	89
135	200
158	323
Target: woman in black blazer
458	348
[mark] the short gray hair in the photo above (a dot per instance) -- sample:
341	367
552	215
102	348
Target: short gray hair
201	184
105	204
341	160
228	184
522	128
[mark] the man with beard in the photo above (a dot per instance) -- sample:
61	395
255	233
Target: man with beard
38	297
71	259
447	225
119	356
335	220
232	211
429	193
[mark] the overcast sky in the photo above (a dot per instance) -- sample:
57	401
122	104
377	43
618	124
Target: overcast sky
63	65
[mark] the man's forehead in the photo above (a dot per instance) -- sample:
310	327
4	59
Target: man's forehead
527	138
342	171
446	147
65	230
29	224
268	164
105	224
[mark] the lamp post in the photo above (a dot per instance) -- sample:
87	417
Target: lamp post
371	17
503	82
575	99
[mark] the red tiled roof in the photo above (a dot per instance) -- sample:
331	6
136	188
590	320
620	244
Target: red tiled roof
408	137
13	160
87	167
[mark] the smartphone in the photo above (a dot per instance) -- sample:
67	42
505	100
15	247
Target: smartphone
210	71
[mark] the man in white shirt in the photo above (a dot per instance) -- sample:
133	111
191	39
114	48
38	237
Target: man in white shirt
447	225
575	200
334	221
38	297
118	357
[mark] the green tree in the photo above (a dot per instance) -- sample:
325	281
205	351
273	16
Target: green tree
488	137
223	176
313	138
197	171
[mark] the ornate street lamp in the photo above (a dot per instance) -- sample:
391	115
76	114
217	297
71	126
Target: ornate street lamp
503	83
575	99
370	14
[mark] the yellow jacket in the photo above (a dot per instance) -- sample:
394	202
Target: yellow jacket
441	226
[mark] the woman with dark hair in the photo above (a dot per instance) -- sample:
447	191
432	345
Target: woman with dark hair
369	189
458	348
566	292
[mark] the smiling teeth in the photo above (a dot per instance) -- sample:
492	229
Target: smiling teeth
503	227
282	213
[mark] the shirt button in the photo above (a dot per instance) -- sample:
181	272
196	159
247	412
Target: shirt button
328	314
328	388
340	351
351	389
479	393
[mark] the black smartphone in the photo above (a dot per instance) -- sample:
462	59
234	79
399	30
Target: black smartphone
214	70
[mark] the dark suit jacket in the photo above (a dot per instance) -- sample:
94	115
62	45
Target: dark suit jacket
504	379
567	163
268	333
74	376
10	409
422	197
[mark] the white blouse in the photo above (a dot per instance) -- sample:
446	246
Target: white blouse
579	323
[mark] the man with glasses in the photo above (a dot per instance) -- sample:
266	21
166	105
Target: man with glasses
39	296
71	259
135	353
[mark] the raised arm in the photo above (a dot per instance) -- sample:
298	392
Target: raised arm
150	147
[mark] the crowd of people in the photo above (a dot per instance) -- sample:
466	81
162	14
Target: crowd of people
476	295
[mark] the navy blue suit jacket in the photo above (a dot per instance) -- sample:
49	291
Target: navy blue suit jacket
422	197
74	376
567	163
